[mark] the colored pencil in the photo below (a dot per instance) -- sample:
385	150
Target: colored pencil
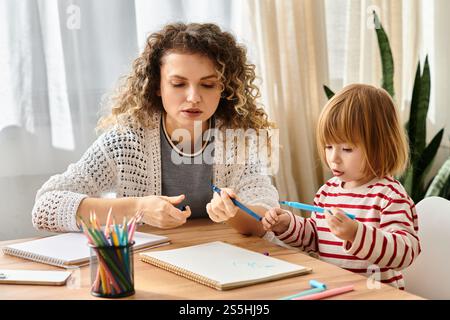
308	207
111	246
303	293
239	204
327	293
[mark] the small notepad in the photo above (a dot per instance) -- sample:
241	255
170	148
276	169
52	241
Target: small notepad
223	266
68	249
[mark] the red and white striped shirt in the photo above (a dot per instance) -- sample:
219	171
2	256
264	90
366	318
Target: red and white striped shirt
386	239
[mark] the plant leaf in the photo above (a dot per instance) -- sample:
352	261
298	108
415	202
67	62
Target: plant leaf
423	165
328	92
387	60
412	122
445	193
442	178
422	111
407	180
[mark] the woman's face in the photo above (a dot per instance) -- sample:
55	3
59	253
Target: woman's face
190	89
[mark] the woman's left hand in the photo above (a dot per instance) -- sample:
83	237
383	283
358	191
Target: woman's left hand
340	225
221	208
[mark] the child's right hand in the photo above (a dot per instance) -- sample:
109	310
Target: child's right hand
276	220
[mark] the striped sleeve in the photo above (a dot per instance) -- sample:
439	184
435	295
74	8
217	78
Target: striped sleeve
395	244
301	233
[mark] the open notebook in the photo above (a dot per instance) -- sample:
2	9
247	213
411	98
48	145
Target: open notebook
222	266
70	249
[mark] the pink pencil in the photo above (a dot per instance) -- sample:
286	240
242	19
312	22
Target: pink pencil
130	223
131	234
327	293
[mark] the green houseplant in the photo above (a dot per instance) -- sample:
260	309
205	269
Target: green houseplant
421	154
440	186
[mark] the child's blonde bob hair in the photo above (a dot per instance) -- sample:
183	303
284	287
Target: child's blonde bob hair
365	116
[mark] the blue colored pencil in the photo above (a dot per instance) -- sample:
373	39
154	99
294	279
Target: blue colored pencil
316	287
238	204
308	207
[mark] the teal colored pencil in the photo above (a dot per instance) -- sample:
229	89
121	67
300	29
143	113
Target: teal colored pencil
308	207
303	293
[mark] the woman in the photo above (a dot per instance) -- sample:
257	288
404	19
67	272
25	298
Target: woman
189	78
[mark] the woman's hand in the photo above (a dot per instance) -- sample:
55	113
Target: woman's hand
276	220
159	211
340	225
221	208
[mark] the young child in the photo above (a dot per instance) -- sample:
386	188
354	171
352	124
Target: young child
361	140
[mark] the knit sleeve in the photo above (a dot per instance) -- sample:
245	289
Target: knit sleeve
255	185
395	244
58	199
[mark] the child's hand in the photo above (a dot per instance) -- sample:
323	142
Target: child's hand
276	220
340	225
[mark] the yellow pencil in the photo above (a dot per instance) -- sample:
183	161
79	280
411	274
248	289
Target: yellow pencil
103	279
115	239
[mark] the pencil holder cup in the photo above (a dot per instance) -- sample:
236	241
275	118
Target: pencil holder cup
112	271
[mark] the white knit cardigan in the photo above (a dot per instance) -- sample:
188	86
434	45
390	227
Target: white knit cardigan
128	163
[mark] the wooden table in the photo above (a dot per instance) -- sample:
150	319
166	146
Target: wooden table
154	283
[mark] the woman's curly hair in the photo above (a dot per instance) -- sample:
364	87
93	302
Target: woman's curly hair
137	99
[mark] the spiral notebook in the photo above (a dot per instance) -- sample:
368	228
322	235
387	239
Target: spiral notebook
70	249
223	266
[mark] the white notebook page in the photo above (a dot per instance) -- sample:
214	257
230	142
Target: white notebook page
225	263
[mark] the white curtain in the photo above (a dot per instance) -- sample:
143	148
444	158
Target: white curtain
290	42
57	59
352	41
439	115
415	28
152	15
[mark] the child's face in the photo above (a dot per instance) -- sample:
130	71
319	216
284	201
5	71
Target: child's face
346	161
189	88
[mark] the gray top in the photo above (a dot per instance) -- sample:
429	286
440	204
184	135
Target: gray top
190	175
